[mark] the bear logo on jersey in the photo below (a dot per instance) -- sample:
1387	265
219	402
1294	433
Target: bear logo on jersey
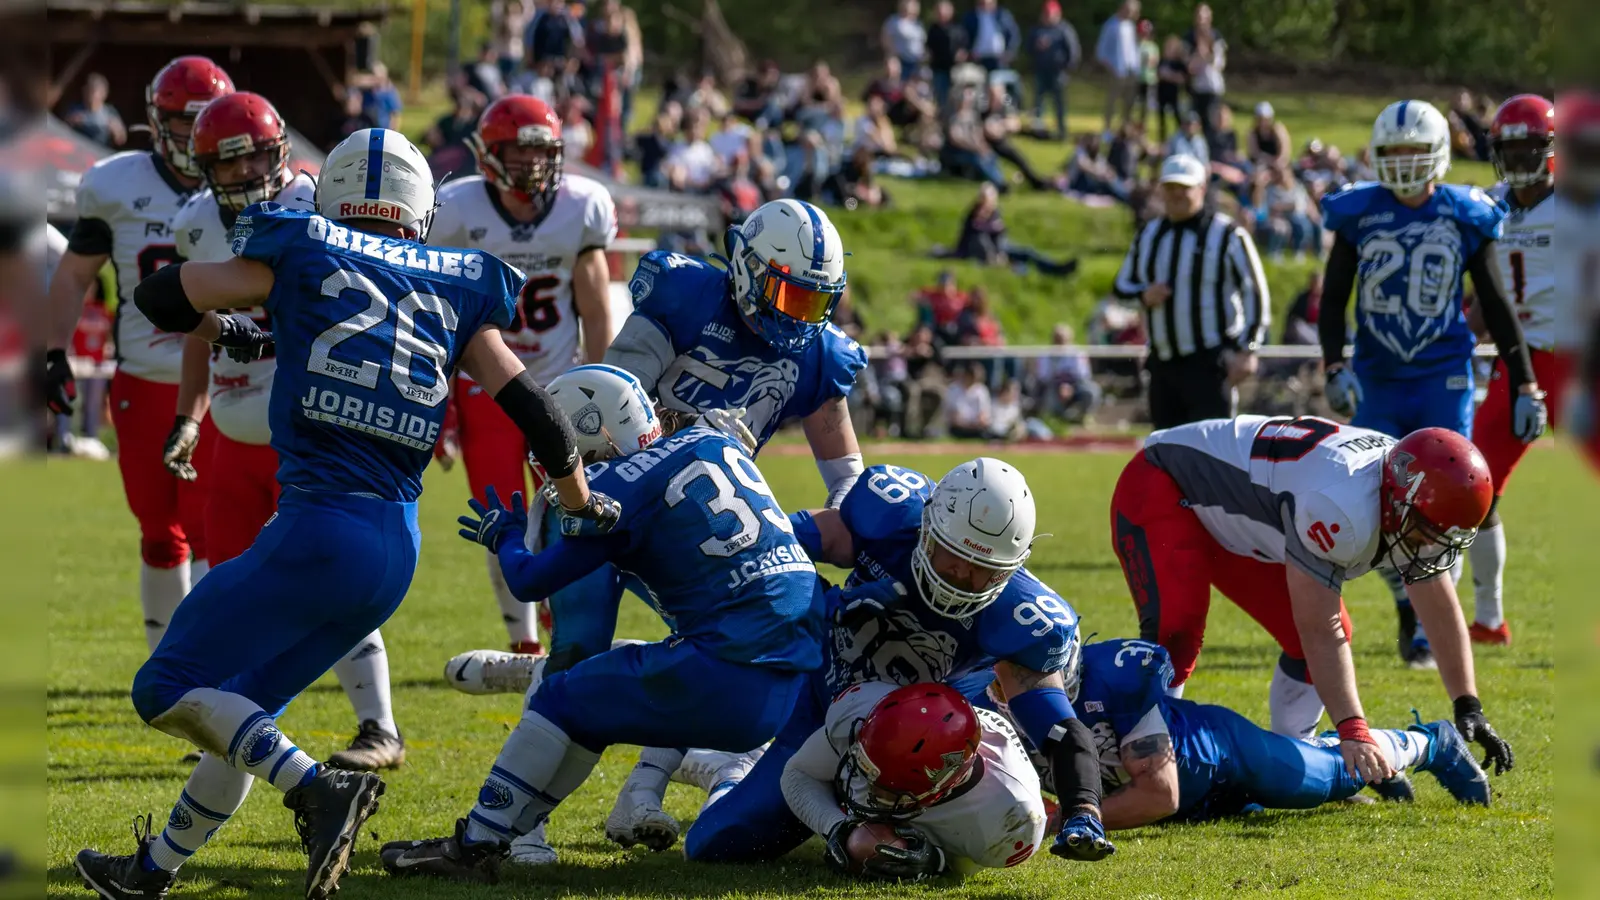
1408	281
494	795
895	648
763	388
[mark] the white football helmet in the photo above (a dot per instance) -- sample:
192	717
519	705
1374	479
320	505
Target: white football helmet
977	531
378	174
610	412
1408	123
787	262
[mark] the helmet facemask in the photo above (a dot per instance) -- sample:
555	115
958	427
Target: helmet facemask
883	803
1408	168
955	581
528	168
1522	161
174	148
271	164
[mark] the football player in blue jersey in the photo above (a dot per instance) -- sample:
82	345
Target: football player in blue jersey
1403	244
719	561
1162	757
970	605
368	323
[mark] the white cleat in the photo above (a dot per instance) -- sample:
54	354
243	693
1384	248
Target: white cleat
532	849
637	818
493	672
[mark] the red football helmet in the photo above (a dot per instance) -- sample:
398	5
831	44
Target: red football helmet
1522	140
518	146
918	743
1578	144
244	127
178	92
1436	492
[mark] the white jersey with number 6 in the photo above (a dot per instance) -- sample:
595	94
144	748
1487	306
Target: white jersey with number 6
1302	491
580	218
239	391
1527	256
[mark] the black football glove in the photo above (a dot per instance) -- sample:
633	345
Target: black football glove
178	453
1475	728
598	516
56	383
242	337
919	860
835	849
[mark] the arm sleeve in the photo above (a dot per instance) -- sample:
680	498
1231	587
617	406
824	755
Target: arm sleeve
1499	317
643	349
807	784
547	430
1339	279
91	234
1255	298
534	576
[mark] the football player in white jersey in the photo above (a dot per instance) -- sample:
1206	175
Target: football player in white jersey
125	207
556	228
1522	147
242	148
1578	254
955	782
1277	514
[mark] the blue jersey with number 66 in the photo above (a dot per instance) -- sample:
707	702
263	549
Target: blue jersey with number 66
1030	625
368	331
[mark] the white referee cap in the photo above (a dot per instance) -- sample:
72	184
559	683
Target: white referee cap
1181	168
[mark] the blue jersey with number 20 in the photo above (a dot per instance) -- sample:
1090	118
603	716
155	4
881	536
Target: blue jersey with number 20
368	331
1030	625
1410	322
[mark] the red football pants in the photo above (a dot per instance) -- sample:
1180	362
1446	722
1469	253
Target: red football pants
1171	562
244	495
492	446
1491	426
171	512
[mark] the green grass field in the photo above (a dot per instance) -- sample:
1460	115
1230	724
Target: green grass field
104	766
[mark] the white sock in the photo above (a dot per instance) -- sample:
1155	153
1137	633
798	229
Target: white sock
703	765
160	592
364	675
730	774
522	619
239	732
197	570
520	791
214	793
1176	693
1488	554
1403	748
1296	708
656	766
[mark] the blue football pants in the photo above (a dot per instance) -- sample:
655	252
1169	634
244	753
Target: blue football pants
1397	408
1259	766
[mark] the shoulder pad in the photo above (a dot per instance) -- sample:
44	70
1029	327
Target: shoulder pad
1326	531
1344	206
1475	208
1031	625
884	502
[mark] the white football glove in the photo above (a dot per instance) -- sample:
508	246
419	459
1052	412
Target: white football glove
1343	391
731	423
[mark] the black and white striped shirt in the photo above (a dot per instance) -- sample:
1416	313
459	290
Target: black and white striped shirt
1219	292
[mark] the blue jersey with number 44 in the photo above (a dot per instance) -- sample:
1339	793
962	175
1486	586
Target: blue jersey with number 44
368	330
1409	317
1028	625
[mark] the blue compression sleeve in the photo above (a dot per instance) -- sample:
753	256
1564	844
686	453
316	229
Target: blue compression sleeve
1039	711
807	532
535	576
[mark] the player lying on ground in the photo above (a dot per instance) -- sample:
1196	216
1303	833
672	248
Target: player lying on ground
1167	758
368	320
1277	514
719	561
953	784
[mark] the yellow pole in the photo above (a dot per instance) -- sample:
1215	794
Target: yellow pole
419	23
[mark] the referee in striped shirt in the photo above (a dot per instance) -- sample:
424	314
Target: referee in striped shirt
1205	299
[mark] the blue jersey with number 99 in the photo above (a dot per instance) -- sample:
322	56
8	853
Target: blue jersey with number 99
368	331
1409	281
1030	625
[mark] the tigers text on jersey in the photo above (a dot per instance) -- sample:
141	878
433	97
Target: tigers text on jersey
1527	256
239	391
996	820
368	329
1277	489
718	558
1029	625
717	362
580	218
125	207
1410	322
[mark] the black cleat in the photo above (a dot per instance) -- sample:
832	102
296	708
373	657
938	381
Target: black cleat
328	814
125	877
449	857
1396	789
370	750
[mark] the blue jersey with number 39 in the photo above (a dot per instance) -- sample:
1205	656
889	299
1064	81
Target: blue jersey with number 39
1029	625
1409	282
368	331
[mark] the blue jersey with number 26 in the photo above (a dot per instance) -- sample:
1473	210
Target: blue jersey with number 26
368	330
1029	625
1409	318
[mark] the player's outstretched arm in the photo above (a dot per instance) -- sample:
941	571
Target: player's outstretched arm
591	294
1152	794
833	444
1440	613
184	298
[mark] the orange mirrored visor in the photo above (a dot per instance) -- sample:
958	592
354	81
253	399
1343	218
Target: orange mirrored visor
809	303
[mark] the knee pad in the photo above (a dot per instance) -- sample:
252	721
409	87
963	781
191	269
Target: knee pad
153	692
165	552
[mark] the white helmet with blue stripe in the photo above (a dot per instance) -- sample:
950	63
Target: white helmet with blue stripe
1410	146
788	272
378	174
610	412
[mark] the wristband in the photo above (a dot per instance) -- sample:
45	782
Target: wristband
1466	705
1355	729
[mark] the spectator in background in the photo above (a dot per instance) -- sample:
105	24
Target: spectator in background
1321	168
1208	57
1469	136
1068	386
552	36
94	118
1005	413
708	97
1300	324
756	96
856	183
614	40
738	191
1191	141
966	403
940	307
983	239
874	133
692	165
887	387
732	138
541	81
966	153
507	20
380	99
924	385
903	36
1268	142
992	35
1228	165
1117	51
947	46
655	146
1361	169
447	139
1000	122
1149	70
1172	74
354	119
577	135
1288	211
976	326
484	75
1053	44
1089	171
